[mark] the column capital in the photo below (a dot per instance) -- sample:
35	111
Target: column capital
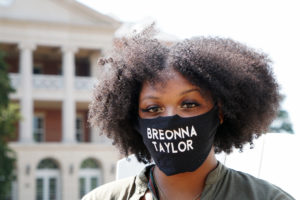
27	45
69	48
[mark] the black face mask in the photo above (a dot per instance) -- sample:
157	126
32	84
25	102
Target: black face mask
179	144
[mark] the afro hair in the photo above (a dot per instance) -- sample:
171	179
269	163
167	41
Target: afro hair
238	77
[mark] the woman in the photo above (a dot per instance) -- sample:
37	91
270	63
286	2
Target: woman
179	105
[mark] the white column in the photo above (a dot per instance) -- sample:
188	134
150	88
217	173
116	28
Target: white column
26	101
95	137
94	64
69	106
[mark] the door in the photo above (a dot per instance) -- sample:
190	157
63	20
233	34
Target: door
47	184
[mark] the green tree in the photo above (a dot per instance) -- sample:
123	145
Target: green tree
282	123
9	116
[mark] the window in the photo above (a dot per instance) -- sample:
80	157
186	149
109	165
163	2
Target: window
38	128
94	182
38	68
12	190
82	67
60	71
47	164
89	176
79	129
82	187
47	180
39	188
52	188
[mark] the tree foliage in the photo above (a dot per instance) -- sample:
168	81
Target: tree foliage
282	123
9	116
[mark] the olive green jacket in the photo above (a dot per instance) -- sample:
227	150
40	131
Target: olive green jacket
221	184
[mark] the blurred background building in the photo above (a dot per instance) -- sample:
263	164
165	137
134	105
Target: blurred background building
52	47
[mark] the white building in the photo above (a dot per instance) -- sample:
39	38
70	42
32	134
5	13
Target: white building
52	47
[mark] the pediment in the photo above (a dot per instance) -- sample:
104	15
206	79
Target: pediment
56	11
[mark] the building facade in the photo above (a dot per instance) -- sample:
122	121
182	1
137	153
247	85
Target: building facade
51	48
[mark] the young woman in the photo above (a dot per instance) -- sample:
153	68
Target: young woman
180	104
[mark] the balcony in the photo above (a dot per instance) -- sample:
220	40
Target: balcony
52	86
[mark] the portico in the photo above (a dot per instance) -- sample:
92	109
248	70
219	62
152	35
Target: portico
67	83
52	48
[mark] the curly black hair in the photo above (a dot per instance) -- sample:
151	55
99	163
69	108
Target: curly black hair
238	77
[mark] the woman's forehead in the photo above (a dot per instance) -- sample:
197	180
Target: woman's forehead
171	81
164	79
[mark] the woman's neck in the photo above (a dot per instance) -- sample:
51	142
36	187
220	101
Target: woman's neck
184	185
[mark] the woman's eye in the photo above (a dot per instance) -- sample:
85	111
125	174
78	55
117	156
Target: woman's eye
189	104
152	109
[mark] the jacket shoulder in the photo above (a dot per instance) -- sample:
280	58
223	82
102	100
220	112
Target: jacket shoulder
256	187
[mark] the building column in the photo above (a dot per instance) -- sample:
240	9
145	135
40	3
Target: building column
94	63
26	101
69	106
97	138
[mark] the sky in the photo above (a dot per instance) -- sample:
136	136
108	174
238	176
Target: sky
270	26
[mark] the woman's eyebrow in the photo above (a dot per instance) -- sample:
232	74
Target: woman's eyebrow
191	90
149	97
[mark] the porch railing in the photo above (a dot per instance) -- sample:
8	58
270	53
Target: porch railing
53	82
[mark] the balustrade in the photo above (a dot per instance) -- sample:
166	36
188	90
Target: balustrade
54	82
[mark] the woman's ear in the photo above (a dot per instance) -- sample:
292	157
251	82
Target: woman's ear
220	114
